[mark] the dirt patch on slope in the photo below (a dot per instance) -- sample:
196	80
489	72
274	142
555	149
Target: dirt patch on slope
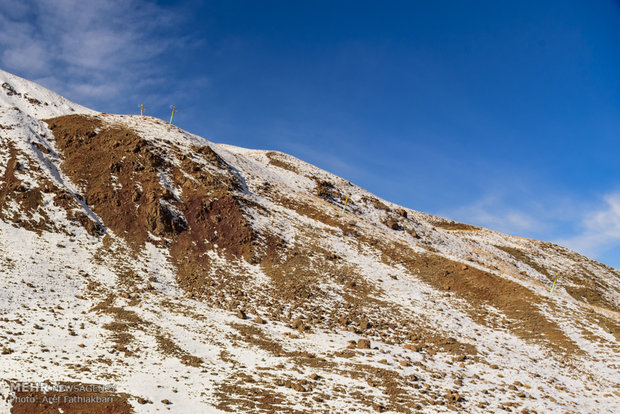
130	183
453	225
579	282
28	199
122	327
299	275
479	289
331	217
521	256
215	222
241	393
275	159
168	347
374	202
256	336
395	386
327	191
118	173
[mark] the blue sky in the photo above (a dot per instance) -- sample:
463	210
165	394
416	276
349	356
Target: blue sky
501	114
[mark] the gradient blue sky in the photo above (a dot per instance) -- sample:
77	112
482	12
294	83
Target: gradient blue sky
501	114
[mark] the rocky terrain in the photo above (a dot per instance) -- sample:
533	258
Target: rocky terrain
161	272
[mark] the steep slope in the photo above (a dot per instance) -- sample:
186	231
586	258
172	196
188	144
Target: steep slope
201	277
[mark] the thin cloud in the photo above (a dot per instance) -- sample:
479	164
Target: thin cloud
495	213
600	229
30	57
93	50
587	228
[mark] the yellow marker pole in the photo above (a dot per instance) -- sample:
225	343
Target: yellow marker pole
173	112
141	109
345	205
553	287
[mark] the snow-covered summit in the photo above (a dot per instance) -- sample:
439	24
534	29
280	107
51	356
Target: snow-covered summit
33	99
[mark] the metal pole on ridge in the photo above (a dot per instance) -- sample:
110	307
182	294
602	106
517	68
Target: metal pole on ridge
554	281
173	112
345	206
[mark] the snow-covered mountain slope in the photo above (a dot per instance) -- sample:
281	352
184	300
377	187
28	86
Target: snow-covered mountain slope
201	277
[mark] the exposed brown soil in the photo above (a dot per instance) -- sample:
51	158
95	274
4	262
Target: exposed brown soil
276	159
256	336
393	385
168	347
578	281
291	271
375	203
120	175
328	192
592	295
453	225
239	394
298	271
608	324
94	155
308	209
479	288
121	327
215	221
28	199
84	398
237	389
523	257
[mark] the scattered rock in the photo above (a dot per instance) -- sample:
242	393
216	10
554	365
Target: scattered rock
393	224
298	387
454	396
297	324
363	344
364	324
